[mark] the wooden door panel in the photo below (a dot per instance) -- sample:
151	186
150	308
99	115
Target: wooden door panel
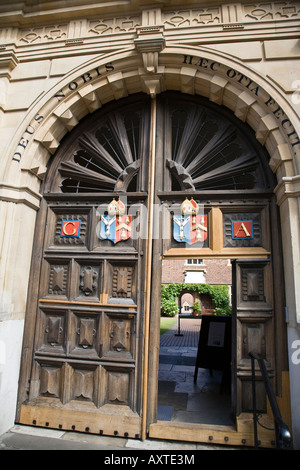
72	382
84	338
52	332
254	327
85	352
119	336
117	385
87	313
70	228
89	285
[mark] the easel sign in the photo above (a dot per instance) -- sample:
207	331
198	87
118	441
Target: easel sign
214	347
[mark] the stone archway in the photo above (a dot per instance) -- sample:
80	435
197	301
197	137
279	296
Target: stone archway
189	70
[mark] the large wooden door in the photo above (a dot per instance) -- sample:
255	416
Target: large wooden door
83	343
207	159
91	341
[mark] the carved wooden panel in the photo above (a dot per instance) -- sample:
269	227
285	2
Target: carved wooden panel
58	279
205	151
247	238
122	282
119	335
254	326
118	385
246	396
52	327
84	335
75	233
120	279
253	337
84	383
253	284
89	281
50	380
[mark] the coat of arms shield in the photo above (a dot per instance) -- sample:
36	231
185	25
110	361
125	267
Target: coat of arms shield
189	227
116	225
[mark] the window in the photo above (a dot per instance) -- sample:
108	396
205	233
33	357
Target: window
194	261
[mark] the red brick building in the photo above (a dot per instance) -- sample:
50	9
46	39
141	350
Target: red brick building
209	271
202	271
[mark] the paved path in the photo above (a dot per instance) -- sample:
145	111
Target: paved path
189	328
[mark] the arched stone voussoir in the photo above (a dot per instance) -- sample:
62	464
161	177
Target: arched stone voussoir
116	76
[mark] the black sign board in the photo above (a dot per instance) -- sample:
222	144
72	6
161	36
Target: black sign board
214	347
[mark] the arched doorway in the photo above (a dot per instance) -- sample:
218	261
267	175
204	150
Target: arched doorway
93	310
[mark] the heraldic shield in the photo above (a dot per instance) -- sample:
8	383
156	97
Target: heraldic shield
189	227
116	226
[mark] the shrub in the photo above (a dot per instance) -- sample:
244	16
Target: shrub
169	308
223	311
218	293
196	307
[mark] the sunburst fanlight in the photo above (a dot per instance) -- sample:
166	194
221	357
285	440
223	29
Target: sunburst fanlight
209	153
204	149
107	159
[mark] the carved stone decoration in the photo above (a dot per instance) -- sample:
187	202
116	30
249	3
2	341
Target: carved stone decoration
150	42
122	282
43	34
270	11
187	18
88	280
113	25
58	280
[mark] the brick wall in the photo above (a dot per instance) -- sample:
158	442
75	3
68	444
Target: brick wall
173	271
217	271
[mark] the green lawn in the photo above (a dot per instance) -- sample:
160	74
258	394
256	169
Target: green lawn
166	323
